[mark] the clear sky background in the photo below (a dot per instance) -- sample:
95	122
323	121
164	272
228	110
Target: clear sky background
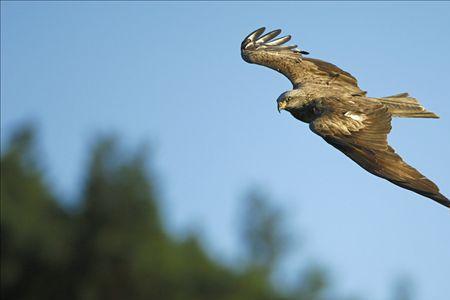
171	74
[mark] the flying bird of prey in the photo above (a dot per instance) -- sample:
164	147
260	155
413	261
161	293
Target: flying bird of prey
336	109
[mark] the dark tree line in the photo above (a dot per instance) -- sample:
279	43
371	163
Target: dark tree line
113	244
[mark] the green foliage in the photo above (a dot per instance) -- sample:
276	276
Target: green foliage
113	245
313	284
35	232
263	234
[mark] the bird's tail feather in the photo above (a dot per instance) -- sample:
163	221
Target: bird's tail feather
402	105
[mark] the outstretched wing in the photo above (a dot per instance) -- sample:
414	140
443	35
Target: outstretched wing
362	136
269	51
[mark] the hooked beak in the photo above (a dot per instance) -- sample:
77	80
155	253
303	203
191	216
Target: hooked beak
281	105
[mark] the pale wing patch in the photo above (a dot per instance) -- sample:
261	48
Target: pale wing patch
335	125
355	116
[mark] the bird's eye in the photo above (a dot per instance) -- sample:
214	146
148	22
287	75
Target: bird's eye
288	98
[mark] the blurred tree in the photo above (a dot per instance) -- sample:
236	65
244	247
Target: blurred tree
117	221
403	289
114	246
265	240
35	231
263	234
313	284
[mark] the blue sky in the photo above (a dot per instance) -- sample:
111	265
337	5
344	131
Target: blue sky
171	74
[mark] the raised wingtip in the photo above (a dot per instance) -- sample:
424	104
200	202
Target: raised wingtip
279	41
256	40
255	34
268	36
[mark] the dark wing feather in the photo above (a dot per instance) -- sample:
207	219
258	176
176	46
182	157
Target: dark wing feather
269	51
362	136
332	70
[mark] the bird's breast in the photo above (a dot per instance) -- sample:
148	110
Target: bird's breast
305	114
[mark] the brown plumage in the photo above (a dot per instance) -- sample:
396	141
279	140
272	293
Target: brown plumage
336	109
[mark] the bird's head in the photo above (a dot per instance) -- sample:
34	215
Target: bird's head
290	100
